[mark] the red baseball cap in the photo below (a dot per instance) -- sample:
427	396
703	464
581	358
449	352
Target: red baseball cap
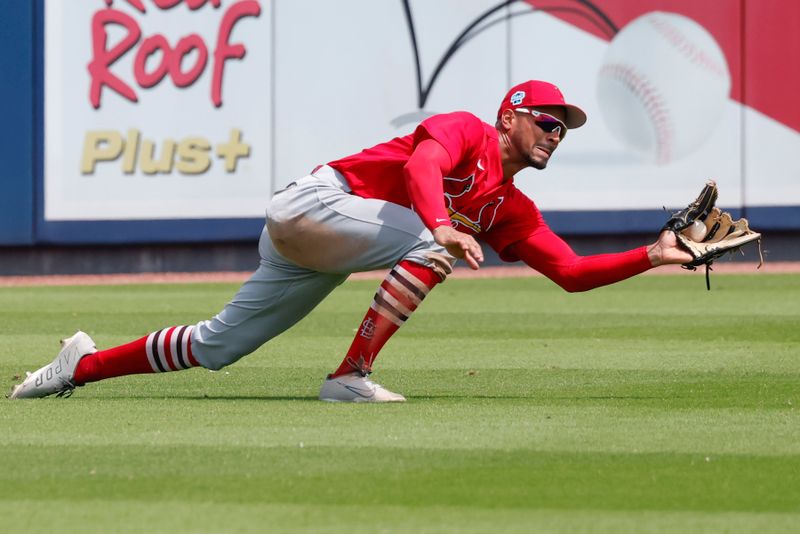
537	93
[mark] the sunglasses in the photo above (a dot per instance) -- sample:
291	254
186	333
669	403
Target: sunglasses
546	122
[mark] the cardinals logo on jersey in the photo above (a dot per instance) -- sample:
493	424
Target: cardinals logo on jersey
458	187
467	219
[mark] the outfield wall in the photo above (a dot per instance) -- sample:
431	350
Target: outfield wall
168	121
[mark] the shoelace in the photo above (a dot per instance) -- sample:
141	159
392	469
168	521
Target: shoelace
363	366
67	387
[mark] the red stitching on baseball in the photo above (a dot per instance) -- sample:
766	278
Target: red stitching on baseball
653	103
686	47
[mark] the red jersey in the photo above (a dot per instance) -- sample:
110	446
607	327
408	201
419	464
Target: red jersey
478	199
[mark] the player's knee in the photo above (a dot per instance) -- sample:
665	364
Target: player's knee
214	351
441	263
217	358
216	364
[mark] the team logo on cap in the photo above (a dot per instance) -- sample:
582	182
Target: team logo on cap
516	98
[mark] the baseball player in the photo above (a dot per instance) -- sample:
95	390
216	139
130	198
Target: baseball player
414	204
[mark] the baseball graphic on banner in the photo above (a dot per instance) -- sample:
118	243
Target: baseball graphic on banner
663	85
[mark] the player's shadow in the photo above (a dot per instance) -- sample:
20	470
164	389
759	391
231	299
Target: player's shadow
265	397
538	398
314	398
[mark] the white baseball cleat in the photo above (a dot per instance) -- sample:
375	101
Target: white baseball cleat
354	387
56	377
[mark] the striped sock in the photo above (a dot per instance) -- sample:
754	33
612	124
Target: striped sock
400	293
166	350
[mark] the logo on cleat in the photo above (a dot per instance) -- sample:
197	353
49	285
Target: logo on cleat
365	393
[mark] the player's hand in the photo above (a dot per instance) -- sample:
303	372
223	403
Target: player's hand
667	250
460	245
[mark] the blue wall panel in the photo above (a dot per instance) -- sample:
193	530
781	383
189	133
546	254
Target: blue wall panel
159	231
17	97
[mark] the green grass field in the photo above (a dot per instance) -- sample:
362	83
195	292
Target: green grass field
627	408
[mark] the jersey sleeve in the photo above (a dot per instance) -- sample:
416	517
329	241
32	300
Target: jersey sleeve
460	133
522	234
424	183
518	219
554	258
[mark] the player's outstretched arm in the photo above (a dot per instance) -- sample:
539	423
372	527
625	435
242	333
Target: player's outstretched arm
550	255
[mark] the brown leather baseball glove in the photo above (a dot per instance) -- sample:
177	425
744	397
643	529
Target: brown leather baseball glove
708	233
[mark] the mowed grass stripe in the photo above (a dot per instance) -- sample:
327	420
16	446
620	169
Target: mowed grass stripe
128	413
636	389
419	477
134	516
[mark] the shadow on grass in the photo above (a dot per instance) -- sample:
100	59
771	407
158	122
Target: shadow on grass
240	397
198	397
538	399
613	397
420	397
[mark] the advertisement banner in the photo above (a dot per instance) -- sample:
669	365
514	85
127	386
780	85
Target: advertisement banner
157	109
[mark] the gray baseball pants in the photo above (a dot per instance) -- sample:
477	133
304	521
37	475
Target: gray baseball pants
317	233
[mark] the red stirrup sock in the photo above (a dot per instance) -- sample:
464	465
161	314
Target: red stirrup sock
398	296
169	349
